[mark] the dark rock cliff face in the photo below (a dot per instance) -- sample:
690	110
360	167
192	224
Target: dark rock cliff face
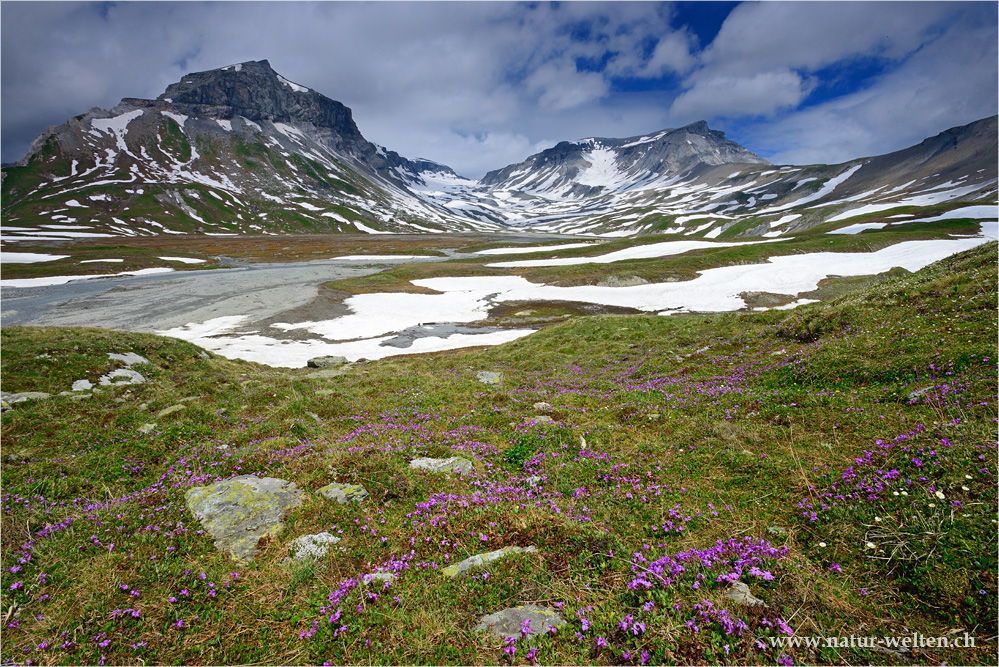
255	91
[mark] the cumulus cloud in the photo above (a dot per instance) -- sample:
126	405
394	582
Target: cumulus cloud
759	94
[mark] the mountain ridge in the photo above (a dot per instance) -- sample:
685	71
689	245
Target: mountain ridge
282	157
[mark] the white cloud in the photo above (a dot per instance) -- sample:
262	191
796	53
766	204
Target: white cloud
951	81
760	94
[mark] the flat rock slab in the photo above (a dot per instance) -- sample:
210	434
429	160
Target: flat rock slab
129	358
177	407
326	362
147	428
542	419
489	377
121	376
453	464
481	559
507	623
82	385
239	511
24	396
312	547
344	493
543	406
383	577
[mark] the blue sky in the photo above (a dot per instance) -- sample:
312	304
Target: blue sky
479	85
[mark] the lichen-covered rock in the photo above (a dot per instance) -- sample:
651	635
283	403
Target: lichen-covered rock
326	362
479	560
543	406
239	511
147	428
507	623
344	493
489	377
542	419
453	464
82	385
172	409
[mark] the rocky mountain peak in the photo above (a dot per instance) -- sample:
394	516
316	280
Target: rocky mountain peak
255	91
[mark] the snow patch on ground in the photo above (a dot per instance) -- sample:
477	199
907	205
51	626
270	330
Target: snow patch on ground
27	257
62	280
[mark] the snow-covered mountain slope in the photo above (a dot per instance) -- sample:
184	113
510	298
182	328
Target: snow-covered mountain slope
694	181
242	149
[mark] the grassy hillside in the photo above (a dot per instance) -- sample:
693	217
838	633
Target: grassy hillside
840	459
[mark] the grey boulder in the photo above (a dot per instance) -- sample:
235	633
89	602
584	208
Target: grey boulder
239	511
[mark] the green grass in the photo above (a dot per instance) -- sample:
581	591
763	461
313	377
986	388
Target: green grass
776	426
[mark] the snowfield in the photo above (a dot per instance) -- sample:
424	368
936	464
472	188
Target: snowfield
376	319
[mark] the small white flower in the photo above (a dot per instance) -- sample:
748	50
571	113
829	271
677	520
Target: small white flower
905	493
940	495
964	488
931	505
894	493
878	519
968	477
822	544
870	545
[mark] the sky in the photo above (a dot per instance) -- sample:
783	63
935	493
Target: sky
480	85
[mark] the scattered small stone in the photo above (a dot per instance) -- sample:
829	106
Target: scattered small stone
776	530
318	419
379	576
177	407
326	362
344	493
507	623
653	415
325	392
542	406
481	559
118	400
146	429
241	511
918	394
542	419
328	373
533	480
739	592
82	385
453	464
204	355
489	377
143	407
122	376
